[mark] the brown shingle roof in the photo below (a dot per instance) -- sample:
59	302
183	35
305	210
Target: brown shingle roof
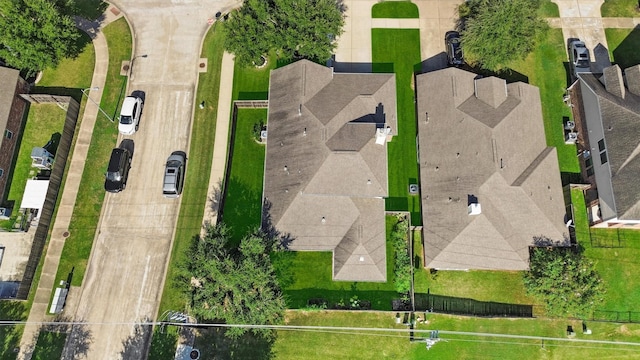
325	177
485	148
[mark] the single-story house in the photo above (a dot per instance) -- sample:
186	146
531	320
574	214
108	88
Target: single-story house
489	184
326	164
606	111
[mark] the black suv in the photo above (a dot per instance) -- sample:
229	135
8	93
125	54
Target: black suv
454	48
118	170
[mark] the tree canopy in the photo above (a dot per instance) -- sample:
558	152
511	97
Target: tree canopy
564	280
236	285
35	34
294	28
496	32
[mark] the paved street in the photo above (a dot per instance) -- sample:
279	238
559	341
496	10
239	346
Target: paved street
127	267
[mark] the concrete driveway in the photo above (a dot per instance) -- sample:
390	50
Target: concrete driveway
126	271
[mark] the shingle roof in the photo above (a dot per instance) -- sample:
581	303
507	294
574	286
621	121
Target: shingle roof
7	92
325	177
620	121
488	149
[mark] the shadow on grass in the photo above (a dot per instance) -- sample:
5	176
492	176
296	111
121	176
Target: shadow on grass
49	345
214	344
90	9
241	208
380	299
10	335
627	54
163	343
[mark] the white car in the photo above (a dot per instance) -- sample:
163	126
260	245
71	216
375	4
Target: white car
130	115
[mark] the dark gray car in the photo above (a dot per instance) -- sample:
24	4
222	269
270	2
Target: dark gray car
453	45
118	170
174	174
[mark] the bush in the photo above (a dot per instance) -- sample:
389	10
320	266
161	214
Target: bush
402	269
564	281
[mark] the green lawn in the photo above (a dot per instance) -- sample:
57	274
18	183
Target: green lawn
398	51
387	345
545	69
548	9
617	266
497	286
624	45
86	212
395	10
620	8
245	181
196	187
307	275
44	122
49	345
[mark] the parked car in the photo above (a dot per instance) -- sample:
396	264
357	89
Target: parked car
174	174
453	45
579	60
118	170
130	115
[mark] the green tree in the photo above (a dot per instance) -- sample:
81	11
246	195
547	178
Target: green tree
35	34
496	32
238	286
564	280
294	28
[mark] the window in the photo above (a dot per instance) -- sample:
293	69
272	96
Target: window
589	166
8	134
1	172
603	157
601	145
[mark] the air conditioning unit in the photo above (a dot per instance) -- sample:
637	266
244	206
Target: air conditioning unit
571	138
5	213
570	125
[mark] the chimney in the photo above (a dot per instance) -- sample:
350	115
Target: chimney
613	81
632	75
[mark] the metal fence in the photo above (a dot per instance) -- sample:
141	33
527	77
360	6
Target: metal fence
616	316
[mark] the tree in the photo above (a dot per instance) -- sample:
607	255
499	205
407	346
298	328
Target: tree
564	280
294	28
238	286
35	34
496	32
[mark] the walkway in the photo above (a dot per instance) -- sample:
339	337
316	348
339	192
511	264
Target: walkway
40	307
220	145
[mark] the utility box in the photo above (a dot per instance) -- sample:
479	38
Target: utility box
41	158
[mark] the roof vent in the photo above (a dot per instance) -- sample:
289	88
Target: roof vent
361	258
474	209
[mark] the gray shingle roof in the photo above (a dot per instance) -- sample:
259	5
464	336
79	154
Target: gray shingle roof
491	149
7	92
619	122
325	177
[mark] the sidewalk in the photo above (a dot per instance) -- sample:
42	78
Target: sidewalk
40	306
220	144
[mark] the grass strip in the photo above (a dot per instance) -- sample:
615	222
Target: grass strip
395	10
86	213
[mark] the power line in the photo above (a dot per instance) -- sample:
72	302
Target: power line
334	329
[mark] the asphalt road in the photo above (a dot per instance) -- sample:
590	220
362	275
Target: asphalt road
126	271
